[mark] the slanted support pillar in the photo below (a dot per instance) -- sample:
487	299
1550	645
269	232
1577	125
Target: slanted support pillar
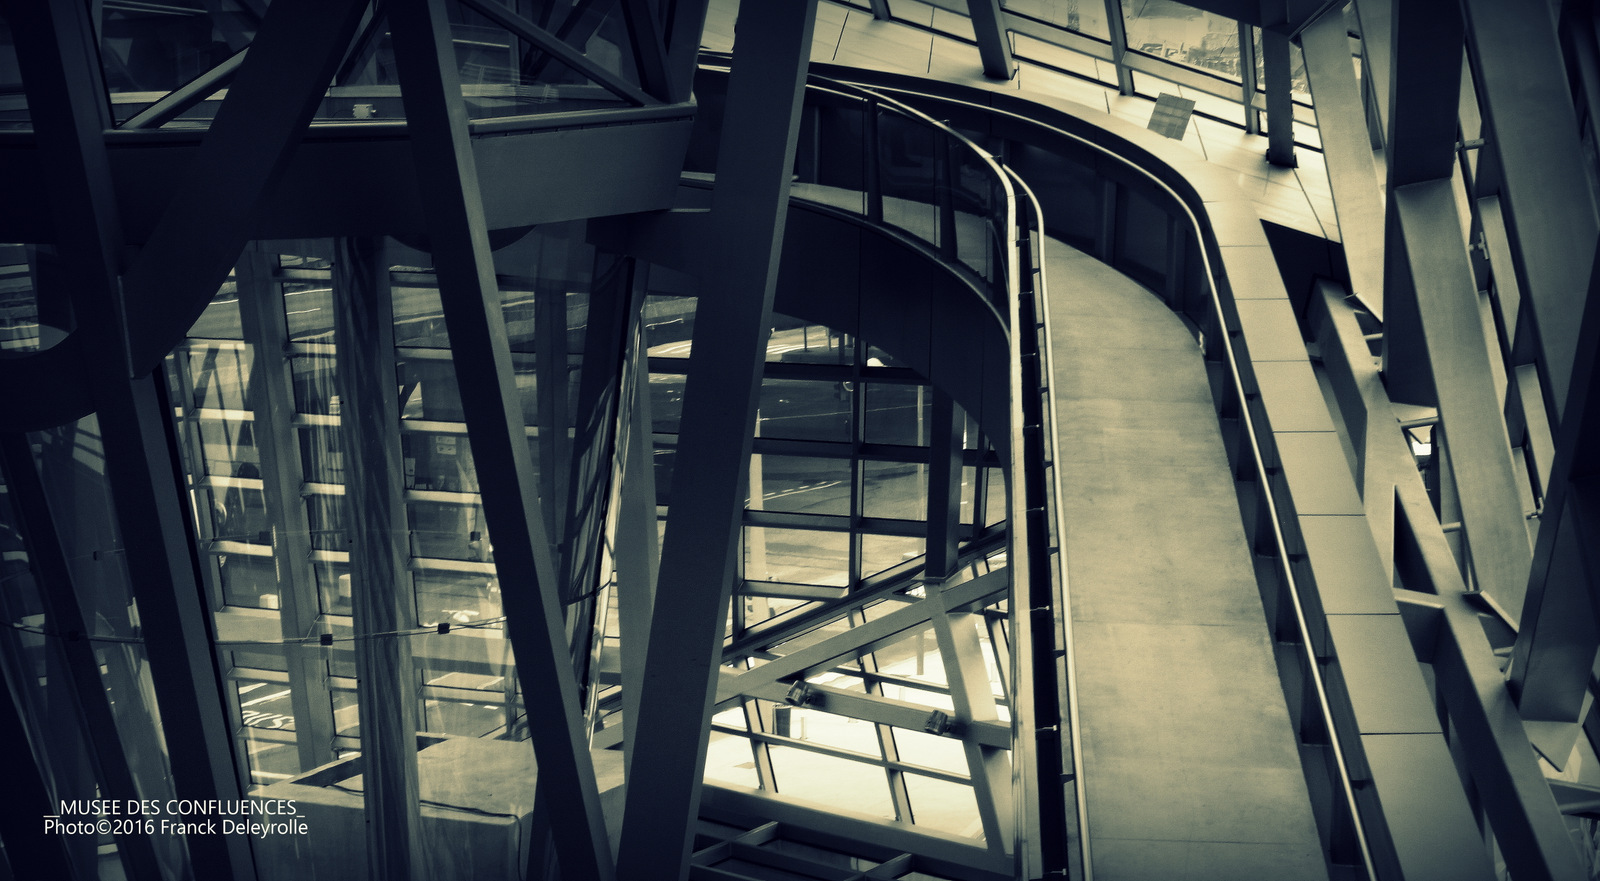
375	518
1560	632
719	408
944	486
1275	68
988	24
1479	452
459	239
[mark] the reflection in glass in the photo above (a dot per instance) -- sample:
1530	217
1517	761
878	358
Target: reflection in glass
1084	16
1183	34
805	410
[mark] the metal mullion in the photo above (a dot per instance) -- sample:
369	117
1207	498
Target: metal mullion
1118	31
1247	77
756	719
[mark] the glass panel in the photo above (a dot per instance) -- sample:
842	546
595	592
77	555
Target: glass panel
795	483
840	732
456	598
796	556
881	552
314	388
248	580
931	751
831	782
728	756
220	320
308	306
1183	34
895	489
909	171
448	531
805	410
1084	16
940	804
897	414
419	317
13	101
147	50
666	401
19	303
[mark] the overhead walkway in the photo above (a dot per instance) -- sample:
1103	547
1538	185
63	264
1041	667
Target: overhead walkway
1189	759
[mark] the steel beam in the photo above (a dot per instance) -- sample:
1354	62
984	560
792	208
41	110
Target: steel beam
1118	31
1560	625
487	380
1528	116
637	554
1452	331
946	457
270	103
1513	792
1376	18
1424	84
994	46
683	45
567	55
749	210
1348	152
175	102
988	767
381	598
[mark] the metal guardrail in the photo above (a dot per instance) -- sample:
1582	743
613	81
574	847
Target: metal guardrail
1230	358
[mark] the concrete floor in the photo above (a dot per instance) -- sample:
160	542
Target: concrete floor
1190	765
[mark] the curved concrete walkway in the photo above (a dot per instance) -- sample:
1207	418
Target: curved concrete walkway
1191	769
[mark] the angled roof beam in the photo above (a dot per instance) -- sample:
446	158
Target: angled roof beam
564	53
179	100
